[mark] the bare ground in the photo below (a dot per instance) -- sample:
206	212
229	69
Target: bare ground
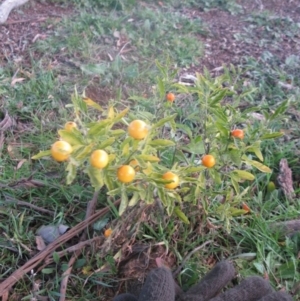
228	41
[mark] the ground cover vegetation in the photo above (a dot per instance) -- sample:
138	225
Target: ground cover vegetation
168	125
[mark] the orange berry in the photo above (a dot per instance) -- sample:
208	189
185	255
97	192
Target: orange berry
171	176
70	125
239	134
138	129
61	150
99	158
170	96
208	161
246	208
126	174
108	232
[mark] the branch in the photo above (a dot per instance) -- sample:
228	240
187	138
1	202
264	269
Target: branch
7	6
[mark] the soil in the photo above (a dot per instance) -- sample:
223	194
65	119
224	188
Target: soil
229	40
226	43
27	24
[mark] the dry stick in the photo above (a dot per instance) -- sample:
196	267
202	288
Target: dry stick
22	203
38	258
89	211
74	248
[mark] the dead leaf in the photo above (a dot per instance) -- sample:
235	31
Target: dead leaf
17	80
39	37
6	122
20	164
266	275
40	244
13	152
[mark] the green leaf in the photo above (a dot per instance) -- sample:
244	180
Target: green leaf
235	156
124	202
121	115
161	143
134	199
92	104
257	164
218	112
260	267
237	212
255	148
185	129
243	175
161	68
74	137
280	110
71	169
79	104
218	96
221	126
108	180
148	158
193	169
162	196
235	184
181	215
100	224
107	142
271	136
83	152
215	175
118	132
195	147
161	122
48	271
96	128
96	177
94	69
161	88
41	154
288	269
56	257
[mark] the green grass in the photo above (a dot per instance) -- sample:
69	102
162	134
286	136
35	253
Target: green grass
114	45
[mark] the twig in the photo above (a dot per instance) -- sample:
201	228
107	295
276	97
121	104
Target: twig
74	248
9	199
38	258
176	272
65	277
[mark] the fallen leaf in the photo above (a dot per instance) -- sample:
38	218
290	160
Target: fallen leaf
20	164
17	80
40	244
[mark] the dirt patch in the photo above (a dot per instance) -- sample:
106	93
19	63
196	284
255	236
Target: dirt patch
232	37
28	24
281	8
